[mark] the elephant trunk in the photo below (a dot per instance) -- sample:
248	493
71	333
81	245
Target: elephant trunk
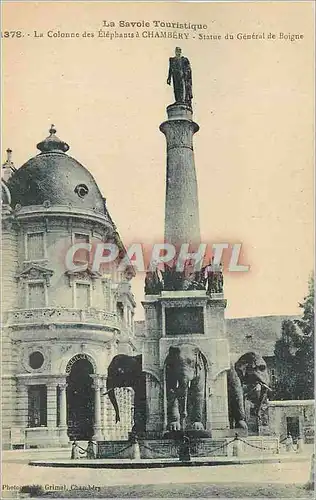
111	393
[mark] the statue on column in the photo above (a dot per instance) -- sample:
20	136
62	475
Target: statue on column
181	75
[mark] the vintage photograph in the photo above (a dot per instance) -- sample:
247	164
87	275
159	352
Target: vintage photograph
157	249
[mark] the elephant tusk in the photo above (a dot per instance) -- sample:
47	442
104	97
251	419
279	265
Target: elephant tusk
265	386
107	392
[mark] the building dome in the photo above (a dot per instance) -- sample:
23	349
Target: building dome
53	176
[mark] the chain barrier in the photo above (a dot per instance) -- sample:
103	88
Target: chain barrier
284	439
254	446
77	446
164	455
222	446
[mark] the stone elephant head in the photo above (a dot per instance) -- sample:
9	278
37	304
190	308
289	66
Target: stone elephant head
185	385
248	379
126	371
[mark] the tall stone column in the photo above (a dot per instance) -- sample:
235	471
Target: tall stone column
97	435
182	223
63	437
52	405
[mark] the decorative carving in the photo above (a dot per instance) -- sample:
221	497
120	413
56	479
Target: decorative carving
248	379
65	348
78	356
60	315
97	383
27	350
188	279
186	389
86	275
34	272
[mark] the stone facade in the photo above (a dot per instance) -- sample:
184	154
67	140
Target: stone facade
55	320
155	341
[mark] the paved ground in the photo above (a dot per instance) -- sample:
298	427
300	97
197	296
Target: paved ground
179	482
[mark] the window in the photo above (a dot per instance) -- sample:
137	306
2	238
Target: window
35	246
82	295
81	190
81	255
36	295
37	406
36	360
107	295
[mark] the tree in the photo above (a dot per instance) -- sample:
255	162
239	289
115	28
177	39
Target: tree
294	354
304	357
284	351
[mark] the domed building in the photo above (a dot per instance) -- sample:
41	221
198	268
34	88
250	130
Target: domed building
62	324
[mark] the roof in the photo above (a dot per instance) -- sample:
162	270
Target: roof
53	176
293	402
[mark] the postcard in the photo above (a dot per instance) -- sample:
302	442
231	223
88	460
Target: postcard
157	249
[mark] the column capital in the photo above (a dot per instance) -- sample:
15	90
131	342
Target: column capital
97	381
62	385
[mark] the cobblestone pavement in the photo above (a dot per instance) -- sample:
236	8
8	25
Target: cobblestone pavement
16	472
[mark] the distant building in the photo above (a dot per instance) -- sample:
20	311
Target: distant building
60	328
295	417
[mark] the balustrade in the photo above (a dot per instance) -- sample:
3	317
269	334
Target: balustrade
61	315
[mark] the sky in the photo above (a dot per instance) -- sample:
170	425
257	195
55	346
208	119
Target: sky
253	101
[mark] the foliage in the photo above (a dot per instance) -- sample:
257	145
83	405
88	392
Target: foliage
305	352
294	354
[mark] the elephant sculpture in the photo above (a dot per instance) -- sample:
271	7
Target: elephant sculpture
185	388
248	379
126	371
